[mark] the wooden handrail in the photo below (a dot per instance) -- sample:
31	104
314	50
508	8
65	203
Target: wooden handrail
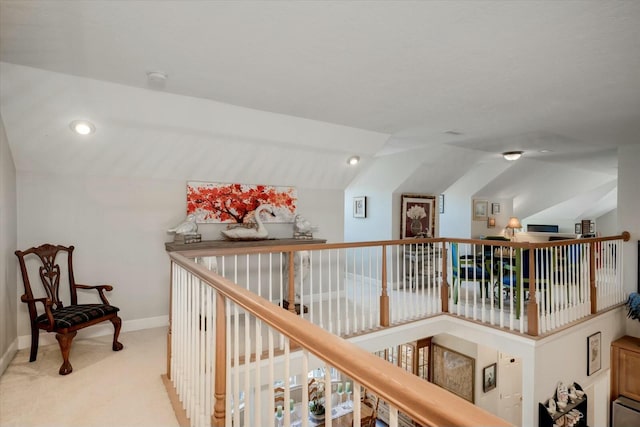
192	253
424	402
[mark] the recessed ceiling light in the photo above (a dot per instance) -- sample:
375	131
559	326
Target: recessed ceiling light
82	127
512	155
545	151
353	160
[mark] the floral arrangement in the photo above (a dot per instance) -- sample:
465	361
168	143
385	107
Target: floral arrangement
416	212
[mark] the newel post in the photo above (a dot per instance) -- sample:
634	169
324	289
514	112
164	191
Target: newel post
444	288
532	307
292	283
384	297
592	277
220	390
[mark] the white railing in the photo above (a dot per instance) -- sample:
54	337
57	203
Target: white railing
230	348
350	289
534	288
339	287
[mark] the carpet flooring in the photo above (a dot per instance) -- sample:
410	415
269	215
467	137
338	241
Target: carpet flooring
106	388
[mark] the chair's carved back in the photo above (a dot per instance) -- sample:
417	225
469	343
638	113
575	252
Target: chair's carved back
49	273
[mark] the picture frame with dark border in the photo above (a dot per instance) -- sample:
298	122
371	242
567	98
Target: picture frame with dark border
495	208
577	228
594	353
417	216
441	204
489	379
360	207
453	371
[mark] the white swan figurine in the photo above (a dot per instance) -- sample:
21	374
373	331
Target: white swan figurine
243	233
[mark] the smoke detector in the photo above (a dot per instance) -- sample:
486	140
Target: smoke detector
156	79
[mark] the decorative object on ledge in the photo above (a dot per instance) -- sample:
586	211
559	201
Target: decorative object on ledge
227	244
302	229
188	238
186	231
242	232
489	378
633	305
567	407
360	207
480	210
594	350
215	202
417	216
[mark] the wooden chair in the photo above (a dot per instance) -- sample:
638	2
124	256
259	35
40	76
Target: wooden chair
278	398
372	402
65	321
313	392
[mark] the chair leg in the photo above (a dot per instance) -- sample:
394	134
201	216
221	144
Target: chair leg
117	324
35	337
65	347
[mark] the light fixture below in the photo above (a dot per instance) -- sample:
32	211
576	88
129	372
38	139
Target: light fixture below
82	127
353	160
512	155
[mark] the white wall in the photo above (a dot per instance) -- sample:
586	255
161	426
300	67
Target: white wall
563	357
607	224
629	219
118	226
8	244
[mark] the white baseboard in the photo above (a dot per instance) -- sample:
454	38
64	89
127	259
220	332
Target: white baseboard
7	357
105	328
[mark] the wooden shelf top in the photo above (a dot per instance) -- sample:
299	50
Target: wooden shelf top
225	244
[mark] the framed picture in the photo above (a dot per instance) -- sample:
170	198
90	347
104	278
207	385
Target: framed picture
578	228
360	207
453	371
489	378
480	210
441	203
594	350
417	218
495	208
592	227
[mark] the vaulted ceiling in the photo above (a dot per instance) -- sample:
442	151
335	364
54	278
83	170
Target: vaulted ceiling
558	80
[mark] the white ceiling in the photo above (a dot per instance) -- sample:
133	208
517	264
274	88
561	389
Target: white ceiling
561	76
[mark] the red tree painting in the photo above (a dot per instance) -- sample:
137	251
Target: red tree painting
213	202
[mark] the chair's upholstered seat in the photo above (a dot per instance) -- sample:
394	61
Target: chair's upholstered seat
67	317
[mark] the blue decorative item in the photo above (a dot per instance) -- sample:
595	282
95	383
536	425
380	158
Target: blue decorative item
633	304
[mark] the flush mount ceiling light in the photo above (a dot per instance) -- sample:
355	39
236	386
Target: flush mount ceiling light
353	160
156	79
512	155
82	127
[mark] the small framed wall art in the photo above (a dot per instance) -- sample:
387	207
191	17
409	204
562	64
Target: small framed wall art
594	350
495	208
480	210
360	207
489	378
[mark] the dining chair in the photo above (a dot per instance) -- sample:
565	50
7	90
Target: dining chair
278	398
515	275
370	401
467	268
